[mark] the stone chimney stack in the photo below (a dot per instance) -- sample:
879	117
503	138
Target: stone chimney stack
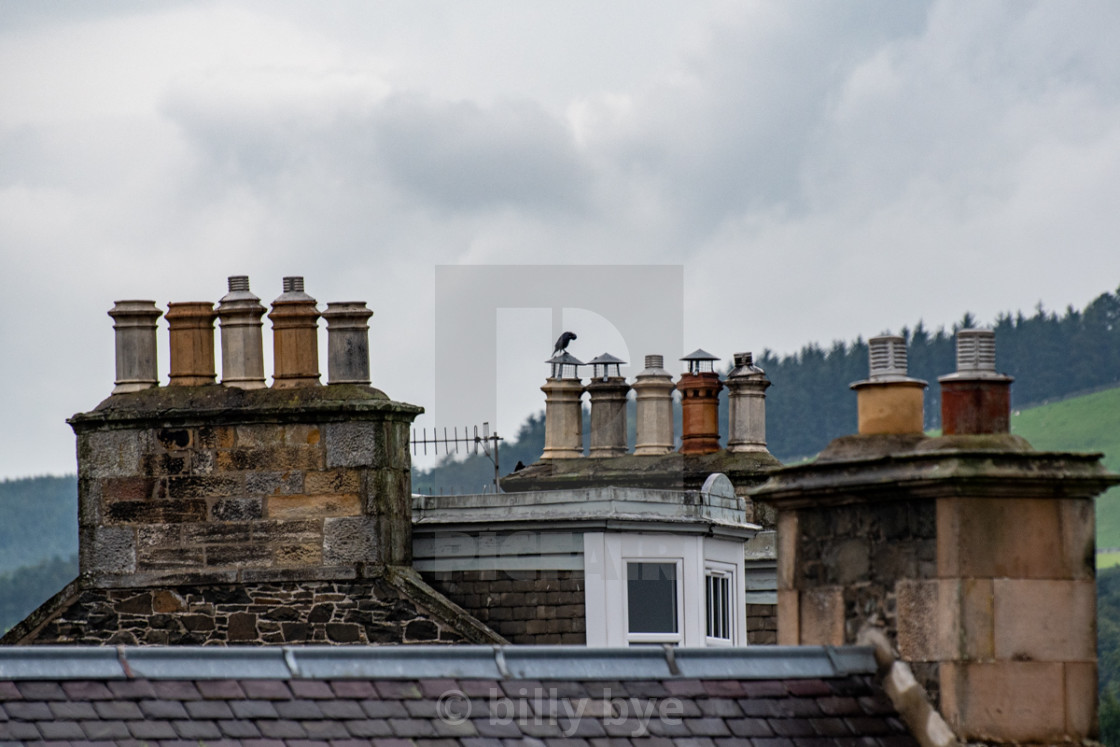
746	405
295	337
239	315
563	411
191	332
607	391
973	554
348	342
975	399
653	391
699	390
134	323
889	402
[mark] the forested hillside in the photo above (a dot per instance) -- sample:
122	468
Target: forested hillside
1051	356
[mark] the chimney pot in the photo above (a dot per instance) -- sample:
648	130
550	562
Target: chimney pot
190	327
699	390
746	405
975	399
295	337
888	401
239	316
653	400
348	342
134	323
607	391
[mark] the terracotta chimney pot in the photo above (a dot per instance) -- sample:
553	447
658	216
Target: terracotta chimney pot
191	330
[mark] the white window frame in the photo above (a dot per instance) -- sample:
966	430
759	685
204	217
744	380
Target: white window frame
648	638
724	572
605	586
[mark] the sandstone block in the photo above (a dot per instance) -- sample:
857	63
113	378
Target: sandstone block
333	481
1004	537
274	483
112	453
787	549
302	435
821	616
108	550
236	509
1081	699
1010	701
259	435
348	540
350	444
1045	620
308	506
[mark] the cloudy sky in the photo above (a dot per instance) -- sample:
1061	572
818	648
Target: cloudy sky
816	171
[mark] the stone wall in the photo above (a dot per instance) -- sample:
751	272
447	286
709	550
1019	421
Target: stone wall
542	607
324	612
216	485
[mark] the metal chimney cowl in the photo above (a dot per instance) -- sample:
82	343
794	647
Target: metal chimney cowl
976	399
889	402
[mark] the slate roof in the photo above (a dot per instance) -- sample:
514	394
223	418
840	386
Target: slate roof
468	695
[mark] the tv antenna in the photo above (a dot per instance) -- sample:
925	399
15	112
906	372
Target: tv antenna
486	442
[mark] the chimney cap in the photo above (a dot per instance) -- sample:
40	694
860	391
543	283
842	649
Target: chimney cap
238	290
562	359
887	362
744	366
700	361
293	290
976	357
603	364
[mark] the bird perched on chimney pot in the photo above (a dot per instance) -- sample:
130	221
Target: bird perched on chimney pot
562	342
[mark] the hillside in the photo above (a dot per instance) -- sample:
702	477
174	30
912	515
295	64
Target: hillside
1087	423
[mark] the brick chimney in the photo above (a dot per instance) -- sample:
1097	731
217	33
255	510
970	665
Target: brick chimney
607	391
653	392
563	411
746	405
974	554
699	389
975	399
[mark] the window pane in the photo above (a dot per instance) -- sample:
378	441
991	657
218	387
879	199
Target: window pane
651	592
719	606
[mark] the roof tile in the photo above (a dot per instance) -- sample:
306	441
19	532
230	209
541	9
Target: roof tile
151	729
454	728
131	689
41	690
750	727
22	730
72	711
839	706
708	727
239	729
765	689
321	729
404	727
480	688
266	689
369	728
61	730
311	689
153	709
341	709
254	709
200	729
28	711
686	688
220	689
213	709
762	707
352	689
809	688
85	690
177	689
722	707
867	726
397	690
9	691
298	709
282	729
830	727
792	727
384	709
105	729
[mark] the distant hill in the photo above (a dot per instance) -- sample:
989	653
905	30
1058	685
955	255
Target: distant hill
38	520
1090	423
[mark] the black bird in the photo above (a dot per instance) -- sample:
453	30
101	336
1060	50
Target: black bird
519	466
562	342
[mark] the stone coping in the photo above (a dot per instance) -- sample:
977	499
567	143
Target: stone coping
856	468
215	404
582	506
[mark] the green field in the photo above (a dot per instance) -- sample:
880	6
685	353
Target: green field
1087	423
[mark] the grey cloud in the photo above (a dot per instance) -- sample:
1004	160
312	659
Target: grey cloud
463	156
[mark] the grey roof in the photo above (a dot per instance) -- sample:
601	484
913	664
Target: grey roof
453	696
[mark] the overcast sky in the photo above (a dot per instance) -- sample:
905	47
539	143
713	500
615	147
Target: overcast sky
818	171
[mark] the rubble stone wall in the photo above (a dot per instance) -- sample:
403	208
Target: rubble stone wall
323	612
